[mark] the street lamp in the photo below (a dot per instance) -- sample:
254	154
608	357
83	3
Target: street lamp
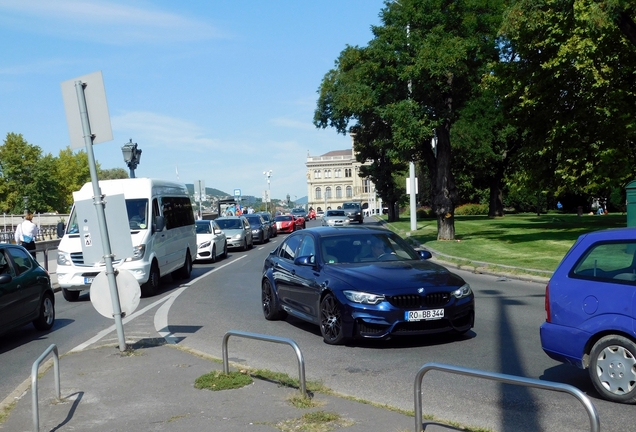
132	156
267	174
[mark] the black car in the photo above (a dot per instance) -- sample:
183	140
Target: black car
363	282
267	217
353	210
25	291
260	229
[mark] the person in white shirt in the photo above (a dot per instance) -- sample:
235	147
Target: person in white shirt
26	233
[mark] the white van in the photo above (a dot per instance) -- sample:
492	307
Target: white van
162	229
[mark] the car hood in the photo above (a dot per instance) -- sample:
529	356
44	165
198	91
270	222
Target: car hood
393	276
233	232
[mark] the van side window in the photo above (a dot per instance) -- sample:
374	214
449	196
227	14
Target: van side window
177	211
608	261
155	212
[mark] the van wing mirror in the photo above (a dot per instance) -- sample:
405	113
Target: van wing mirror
160	224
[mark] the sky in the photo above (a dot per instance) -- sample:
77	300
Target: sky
213	90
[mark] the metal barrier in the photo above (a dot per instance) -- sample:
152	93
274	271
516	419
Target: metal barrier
34	382
508	379
299	355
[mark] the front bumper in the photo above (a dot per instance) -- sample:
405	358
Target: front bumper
76	278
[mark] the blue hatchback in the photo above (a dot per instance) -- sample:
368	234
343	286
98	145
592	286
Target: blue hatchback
590	305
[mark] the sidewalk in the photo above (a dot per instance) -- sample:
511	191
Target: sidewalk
152	389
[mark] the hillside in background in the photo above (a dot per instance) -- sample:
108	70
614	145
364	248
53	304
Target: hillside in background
208	191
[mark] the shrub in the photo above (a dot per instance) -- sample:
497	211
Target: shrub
471	210
424	213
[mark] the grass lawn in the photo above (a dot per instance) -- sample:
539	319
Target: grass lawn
520	240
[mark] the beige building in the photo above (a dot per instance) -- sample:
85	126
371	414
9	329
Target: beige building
332	179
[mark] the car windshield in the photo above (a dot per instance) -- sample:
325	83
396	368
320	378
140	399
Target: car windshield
350	205
335	213
266	217
229	223
204	228
298	211
366	247
254	220
283	218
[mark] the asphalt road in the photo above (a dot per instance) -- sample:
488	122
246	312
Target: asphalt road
226	296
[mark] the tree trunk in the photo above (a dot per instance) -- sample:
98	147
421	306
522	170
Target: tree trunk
444	191
495	205
393	214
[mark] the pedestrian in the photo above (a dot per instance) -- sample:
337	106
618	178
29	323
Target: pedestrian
26	233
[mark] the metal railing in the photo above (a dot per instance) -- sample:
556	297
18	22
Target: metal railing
508	379
275	339
34	382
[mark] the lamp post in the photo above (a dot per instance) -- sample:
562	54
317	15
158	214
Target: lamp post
268	174
132	156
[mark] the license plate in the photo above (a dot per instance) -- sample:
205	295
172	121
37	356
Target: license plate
88	280
419	315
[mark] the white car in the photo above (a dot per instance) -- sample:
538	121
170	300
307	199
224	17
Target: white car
211	241
335	218
320	214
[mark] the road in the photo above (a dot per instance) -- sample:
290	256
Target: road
226	296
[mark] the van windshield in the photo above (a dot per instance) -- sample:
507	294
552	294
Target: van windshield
137	210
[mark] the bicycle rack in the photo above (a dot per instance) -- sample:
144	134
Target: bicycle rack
34	382
275	339
508	379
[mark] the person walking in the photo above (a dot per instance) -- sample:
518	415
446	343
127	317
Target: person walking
26	233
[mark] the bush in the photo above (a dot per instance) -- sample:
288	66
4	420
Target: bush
424	213
471	210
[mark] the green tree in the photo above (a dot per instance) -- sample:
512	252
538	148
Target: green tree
570	88
408	85
19	161
72	172
112	173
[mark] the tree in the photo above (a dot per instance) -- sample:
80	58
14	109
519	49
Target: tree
18	166
570	87
72	172
112	173
408	85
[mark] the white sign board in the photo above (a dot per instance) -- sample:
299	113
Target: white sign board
408	186
96	106
116	222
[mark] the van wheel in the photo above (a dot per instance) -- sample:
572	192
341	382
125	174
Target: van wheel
69	295
186	270
213	256
613	368
151	287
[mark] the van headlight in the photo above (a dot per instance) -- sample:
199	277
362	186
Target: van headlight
363	297
64	258
463	291
138	253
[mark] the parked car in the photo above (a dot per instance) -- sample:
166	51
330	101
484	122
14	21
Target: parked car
238	231
25	291
211	241
591	311
363	283
353	211
285	223
335	218
319	214
267	217
260	229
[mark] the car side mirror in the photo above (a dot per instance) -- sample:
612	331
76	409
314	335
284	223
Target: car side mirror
160	224
424	254
306	260
5	278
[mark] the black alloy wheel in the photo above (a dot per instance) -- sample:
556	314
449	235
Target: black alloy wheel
269	301
331	320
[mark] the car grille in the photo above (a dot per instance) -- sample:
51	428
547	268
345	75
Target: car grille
409	301
78	259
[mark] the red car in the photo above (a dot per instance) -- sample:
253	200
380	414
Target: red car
300	222
285	223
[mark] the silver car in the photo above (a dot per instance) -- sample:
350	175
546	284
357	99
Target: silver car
335	218
237	230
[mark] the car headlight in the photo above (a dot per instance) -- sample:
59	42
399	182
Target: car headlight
138	253
205	244
64	258
362	297
463	291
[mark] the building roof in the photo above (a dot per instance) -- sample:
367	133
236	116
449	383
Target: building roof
338	153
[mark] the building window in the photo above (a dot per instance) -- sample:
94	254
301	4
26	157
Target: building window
318	193
317	174
328	192
366	185
338	173
349	192
327	173
347	172
338	192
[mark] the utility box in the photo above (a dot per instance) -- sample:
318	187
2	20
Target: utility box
630	190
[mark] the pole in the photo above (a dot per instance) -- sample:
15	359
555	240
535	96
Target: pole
101	216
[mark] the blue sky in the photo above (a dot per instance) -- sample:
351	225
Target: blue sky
221	90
